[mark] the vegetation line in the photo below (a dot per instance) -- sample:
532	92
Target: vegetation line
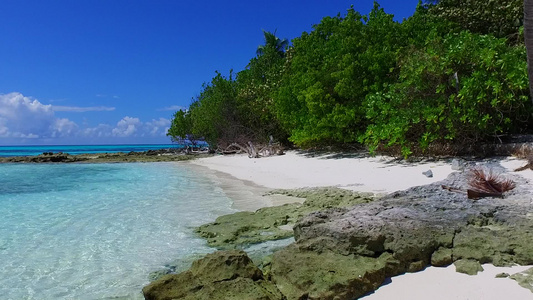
447	79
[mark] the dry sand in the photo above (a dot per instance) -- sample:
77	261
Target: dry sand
245	180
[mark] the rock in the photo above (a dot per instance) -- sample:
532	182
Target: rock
457	164
428	174
468	266
501	244
220	275
524	279
346	246
148	156
274	223
442	257
403	232
300	273
502	275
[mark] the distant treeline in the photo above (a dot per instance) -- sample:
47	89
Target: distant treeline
454	73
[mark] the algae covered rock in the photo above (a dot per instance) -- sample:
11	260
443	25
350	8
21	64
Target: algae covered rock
524	279
303	274
220	275
411	229
244	228
468	266
442	257
273	223
501	244
346	248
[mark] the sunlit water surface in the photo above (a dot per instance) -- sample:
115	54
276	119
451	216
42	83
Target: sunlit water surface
93	231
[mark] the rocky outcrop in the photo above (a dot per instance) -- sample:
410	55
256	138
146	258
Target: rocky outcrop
344	250
220	275
273	223
60	157
343	253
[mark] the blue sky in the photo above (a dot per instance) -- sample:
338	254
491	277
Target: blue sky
114	71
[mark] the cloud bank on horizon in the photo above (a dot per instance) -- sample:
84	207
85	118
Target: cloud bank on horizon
24	120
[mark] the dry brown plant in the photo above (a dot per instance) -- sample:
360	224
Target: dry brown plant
487	184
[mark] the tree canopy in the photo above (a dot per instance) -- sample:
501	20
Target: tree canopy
437	78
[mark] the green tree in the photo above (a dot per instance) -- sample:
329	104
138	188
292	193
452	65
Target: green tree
181	126
272	42
528	40
213	114
502	18
256	85
331	71
461	89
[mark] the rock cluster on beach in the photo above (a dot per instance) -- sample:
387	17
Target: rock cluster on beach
347	251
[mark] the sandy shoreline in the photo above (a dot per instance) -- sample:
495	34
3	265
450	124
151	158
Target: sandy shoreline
246	180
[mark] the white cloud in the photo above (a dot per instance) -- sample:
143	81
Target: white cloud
81	109
64	128
157	127
26	118
128	126
100	131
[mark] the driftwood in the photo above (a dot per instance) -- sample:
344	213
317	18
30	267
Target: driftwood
268	150
472	194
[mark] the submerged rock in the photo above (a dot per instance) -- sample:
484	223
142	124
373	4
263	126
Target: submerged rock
220	275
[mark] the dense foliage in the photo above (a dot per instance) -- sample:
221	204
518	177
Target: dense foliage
436	78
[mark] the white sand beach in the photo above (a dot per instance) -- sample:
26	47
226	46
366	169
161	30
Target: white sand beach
243	178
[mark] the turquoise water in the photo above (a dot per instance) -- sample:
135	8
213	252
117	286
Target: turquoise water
92	231
80	149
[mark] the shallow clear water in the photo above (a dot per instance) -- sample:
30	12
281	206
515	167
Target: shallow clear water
90	231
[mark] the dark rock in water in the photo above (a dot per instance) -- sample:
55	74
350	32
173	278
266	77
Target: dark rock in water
220	275
468	266
148	156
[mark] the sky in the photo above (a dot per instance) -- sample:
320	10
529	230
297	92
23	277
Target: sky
115	71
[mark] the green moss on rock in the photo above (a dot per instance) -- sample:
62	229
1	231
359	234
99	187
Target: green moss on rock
524	279
501	245
220	275
468	266
273	223
442	257
303	274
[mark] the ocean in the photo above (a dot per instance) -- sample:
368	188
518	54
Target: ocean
96	231
80	149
